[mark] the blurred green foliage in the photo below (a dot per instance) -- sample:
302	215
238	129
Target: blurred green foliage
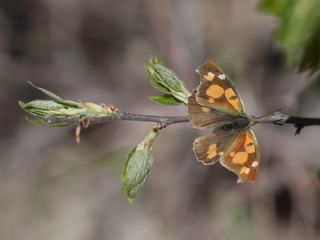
298	31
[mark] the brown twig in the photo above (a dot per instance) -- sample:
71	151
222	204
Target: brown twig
277	117
164	121
280	118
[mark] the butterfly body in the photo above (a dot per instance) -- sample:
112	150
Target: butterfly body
240	122
216	103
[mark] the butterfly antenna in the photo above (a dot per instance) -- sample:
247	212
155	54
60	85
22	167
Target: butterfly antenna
276	117
268	114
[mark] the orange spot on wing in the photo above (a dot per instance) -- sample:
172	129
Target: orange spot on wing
215	91
249	145
230	93
211	100
232	98
245	170
205	109
250	148
212	151
240	157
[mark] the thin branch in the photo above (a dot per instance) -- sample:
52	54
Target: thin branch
280	118
164	121
300	122
277	117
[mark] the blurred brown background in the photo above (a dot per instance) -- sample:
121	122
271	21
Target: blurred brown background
53	189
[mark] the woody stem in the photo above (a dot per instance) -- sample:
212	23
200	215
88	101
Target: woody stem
277	117
164	121
280	118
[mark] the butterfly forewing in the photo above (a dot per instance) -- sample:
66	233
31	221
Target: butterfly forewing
243	157
202	116
216	90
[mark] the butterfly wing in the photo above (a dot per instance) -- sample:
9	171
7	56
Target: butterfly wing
217	91
209	149
214	104
243	157
202	116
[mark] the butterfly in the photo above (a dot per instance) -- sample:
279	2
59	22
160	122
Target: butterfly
216	103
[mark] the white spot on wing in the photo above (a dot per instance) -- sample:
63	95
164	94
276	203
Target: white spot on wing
254	164
222	76
211	74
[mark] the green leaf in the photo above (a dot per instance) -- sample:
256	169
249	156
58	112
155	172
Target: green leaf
36	121
165	81
298	30
153	79
138	165
156	60
41	122
58	107
40	108
46	92
165	100
43	104
21	104
56	98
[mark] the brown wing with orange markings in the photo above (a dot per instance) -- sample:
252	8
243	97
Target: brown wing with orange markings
202	117
209	149
216	90
243	157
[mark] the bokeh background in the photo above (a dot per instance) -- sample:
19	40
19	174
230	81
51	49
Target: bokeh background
52	188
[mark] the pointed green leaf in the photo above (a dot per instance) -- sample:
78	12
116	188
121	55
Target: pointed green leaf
58	107
21	104
138	165
46	92
43	104
165	100
166	81
153	79
56	98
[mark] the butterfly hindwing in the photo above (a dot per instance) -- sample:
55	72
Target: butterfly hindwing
202	116
243	157
216	90
209	149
